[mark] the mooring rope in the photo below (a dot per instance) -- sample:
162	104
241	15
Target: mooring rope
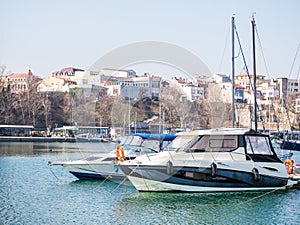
260	196
98	186
53	173
123	181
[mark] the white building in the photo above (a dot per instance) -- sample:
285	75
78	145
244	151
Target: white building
269	89
191	91
215	78
298	104
55	84
118	73
133	87
292	86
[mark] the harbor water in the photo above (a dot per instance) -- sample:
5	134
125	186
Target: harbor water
32	192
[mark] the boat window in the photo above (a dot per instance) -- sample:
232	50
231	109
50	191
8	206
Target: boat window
109	159
216	143
152	144
92	158
258	145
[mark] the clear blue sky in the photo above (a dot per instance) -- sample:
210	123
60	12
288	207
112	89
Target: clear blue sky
49	35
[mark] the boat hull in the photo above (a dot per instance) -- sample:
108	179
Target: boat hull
191	179
95	171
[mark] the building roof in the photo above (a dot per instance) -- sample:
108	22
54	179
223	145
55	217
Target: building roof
180	80
238	86
68	70
67	79
20	75
118	70
251	75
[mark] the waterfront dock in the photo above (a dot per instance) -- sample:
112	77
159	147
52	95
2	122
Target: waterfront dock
36	139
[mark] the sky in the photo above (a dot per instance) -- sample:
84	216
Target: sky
47	36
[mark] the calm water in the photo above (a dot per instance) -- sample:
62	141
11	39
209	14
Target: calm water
31	192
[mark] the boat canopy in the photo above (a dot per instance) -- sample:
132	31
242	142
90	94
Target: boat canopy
159	137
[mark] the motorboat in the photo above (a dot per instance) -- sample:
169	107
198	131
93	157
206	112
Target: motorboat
282	154
105	166
215	160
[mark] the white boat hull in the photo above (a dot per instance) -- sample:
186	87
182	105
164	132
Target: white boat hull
146	185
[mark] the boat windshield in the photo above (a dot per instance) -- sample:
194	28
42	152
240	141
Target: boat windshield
259	145
131	140
181	142
130	149
214	143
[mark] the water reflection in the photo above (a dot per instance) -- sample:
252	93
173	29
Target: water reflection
33	148
191	208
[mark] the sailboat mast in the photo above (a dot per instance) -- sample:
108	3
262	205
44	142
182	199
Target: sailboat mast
254	73
232	99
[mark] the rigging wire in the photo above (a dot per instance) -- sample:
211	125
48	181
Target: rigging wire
250	81
298	72
262	53
291	70
267	70
225	47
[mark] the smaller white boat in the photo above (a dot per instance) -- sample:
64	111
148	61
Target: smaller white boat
105	165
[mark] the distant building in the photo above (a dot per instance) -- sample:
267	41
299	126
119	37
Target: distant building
282	86
192	91
19	82
118	73
55	84
293	86
243	79
239	94
216	78
269	89
298	102
66	72
133	87
223	92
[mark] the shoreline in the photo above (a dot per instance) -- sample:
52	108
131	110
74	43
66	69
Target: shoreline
48	139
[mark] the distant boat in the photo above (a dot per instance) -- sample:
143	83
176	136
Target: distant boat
217	160
88	138
105	166
289	140
82	133
282	154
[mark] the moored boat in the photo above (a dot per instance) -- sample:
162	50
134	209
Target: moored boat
217	160
105	166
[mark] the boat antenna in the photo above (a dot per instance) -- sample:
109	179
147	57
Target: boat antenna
232	99
254	72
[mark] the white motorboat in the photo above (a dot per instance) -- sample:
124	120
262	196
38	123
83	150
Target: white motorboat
217	160
105	166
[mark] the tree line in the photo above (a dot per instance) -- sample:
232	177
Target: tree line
54	109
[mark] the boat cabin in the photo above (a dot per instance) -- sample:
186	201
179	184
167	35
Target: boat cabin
240	143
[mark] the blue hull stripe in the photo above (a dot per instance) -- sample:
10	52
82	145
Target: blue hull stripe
95	176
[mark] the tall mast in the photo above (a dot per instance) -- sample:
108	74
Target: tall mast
232	104
254	72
